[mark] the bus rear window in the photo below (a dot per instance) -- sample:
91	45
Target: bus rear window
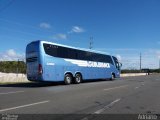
32	59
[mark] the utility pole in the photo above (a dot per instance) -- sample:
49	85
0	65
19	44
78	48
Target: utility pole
140	62
17	67
91	43
159	64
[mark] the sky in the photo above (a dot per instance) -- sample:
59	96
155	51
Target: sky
123	28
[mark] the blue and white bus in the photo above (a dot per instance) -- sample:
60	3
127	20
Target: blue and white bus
53	62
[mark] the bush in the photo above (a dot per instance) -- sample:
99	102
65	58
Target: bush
13	67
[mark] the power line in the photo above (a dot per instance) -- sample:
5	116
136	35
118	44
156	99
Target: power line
159	63
25	25
140	61
7	5
28	33
91	43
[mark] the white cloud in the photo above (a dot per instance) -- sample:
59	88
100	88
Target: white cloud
149	59
77	29
158	54
60	36
158	42
10	55
45	25
130	57
119	57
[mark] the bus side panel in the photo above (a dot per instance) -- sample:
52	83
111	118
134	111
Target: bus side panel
49	69
55	68
96	73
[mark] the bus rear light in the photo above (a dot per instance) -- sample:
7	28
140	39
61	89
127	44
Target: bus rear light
40	70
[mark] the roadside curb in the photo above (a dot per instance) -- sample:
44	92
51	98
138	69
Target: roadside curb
133	74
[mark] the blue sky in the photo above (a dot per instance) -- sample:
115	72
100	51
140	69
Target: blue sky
124	28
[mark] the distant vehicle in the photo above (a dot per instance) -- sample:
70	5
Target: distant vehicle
53	62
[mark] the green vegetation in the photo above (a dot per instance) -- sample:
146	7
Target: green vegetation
12	66
138	71
130	71
155	70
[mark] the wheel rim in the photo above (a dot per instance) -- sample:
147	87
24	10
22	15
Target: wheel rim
78	79
68	80
112	76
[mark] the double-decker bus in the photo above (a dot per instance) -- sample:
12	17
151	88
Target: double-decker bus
47	61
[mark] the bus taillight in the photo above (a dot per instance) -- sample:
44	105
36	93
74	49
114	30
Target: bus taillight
40	70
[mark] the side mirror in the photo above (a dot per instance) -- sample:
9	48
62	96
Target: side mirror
120	64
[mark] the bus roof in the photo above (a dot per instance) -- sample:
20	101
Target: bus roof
83	49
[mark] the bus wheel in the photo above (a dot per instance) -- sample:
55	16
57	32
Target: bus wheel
112	77
68	79
78	78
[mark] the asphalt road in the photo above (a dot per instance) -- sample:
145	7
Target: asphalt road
132	95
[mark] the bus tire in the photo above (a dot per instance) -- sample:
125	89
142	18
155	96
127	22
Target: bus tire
68	79
78	78
112	77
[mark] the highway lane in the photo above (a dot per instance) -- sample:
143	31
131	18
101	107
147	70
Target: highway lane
124	95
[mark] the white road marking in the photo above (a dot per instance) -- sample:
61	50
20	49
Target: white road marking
136	87
13	92
115	87
107	106
22	106
85	118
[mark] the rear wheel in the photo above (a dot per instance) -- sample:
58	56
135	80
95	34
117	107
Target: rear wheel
78	78
68	79
112	77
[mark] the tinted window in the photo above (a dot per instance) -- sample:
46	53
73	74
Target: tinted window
108	59
63	52
71	53
116	61
33	59
50	49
